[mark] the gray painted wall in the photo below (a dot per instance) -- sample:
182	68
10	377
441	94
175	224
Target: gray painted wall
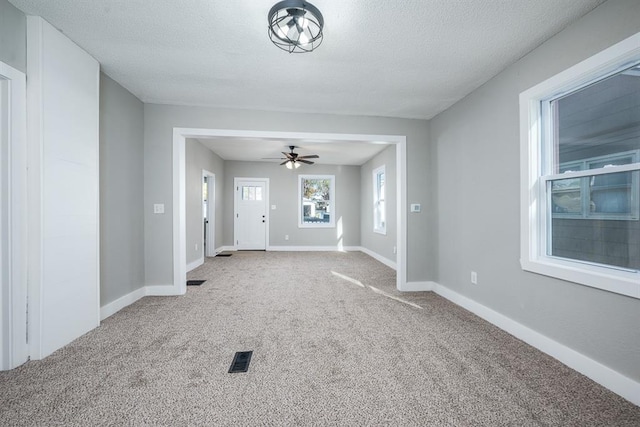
476	144
379	243
283	191
161	119
121	191
198	157
13	36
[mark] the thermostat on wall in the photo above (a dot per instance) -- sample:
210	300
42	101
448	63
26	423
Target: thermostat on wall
415	207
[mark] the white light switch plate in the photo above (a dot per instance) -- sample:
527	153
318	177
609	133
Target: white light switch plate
415	207
158	208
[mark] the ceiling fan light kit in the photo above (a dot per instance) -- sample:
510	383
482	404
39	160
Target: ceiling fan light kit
292	164
295	26
293	160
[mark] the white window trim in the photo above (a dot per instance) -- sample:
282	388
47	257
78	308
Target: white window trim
332	198
533	203
377	229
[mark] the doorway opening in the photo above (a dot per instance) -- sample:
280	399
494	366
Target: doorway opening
14	349
208	213
180	136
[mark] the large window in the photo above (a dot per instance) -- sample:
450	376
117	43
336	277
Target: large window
581	172
316	198
379	206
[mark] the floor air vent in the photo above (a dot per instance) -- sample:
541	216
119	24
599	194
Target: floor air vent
240	362
195	282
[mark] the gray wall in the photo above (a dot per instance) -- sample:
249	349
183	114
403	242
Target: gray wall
121	191
379	243
198	157
161	119
476	143
13	36
283	190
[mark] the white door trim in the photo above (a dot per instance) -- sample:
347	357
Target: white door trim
14	349
180	136
237	180
210	249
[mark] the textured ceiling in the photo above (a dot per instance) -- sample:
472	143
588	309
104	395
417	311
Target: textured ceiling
405	58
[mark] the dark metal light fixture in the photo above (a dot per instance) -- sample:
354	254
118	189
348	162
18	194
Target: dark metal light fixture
295	26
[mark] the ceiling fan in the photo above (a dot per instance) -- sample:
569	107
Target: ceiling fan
293	160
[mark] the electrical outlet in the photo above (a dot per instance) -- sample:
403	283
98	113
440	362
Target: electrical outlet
395	250
474	277
286	237
196	247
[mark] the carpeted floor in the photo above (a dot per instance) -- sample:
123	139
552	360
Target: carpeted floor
327	350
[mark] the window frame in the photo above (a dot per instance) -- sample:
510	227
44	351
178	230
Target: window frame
585	190
332	204
535	169
380	228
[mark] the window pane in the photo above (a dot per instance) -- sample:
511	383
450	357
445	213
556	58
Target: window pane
609	233
316	203
566	196
251	193
600	119
613	193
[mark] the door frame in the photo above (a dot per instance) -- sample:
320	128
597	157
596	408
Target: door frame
237	180
14	349
180	136
209	241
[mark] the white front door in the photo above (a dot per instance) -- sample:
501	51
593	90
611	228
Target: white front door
251	215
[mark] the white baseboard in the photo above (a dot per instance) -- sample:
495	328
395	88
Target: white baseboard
195	264
225	249
378	257
417	286
128	299
603	375
162	291
313	248
117	305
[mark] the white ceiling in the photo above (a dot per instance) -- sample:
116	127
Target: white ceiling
354	153
404	58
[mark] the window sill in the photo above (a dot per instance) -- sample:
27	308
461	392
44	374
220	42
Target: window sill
624	282
318	225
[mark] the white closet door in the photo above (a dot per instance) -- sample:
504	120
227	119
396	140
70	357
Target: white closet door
63	100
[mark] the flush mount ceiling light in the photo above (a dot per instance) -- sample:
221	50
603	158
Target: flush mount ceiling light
295	26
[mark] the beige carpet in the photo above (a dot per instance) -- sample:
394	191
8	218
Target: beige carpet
328	350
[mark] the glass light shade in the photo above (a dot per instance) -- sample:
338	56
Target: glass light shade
295	26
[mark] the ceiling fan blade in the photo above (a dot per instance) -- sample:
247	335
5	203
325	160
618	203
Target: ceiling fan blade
273	158
304	161
288	155
284	163
313	156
